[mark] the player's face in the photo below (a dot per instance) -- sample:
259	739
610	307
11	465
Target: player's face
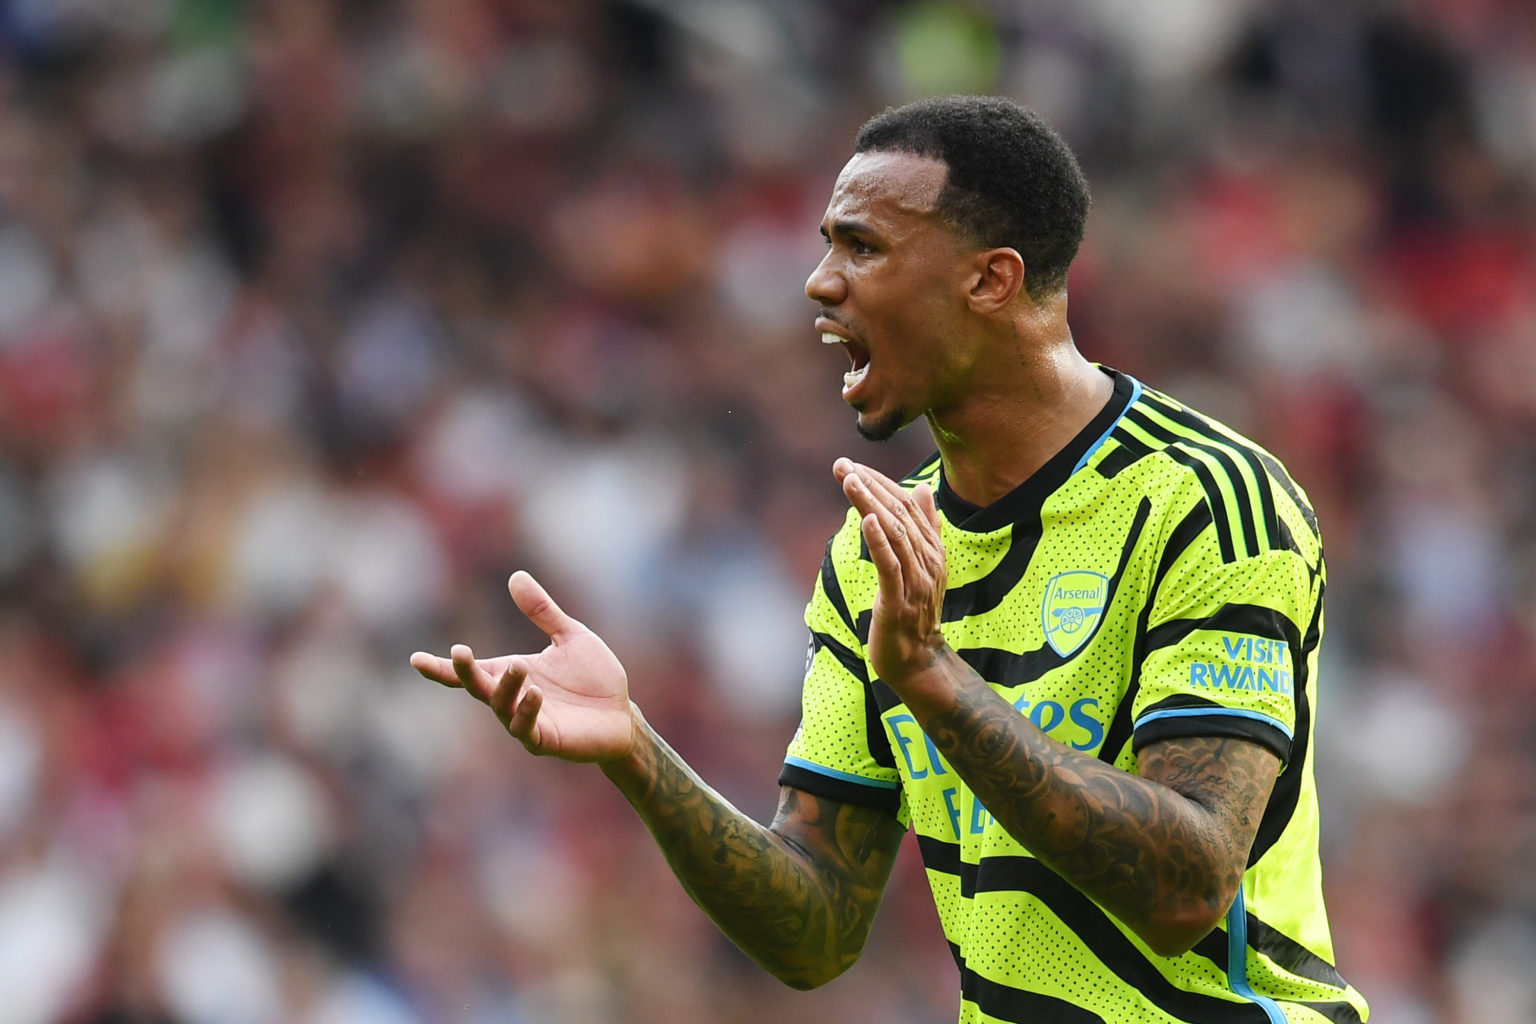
892	288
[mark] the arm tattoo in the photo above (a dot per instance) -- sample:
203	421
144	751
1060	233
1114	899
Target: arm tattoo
797	897
1169	845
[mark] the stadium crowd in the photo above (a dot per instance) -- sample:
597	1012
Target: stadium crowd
319	318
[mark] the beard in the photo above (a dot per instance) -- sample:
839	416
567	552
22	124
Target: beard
881	429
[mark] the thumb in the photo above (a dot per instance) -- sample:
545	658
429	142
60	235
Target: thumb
533	601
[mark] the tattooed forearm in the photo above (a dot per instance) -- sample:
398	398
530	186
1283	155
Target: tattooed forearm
799	896
1164	851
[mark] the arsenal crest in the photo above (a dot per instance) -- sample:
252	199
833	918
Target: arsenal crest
1074	604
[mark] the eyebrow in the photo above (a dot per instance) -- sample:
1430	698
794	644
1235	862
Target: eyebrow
846	227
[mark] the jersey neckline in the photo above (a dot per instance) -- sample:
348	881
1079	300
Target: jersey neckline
1026	499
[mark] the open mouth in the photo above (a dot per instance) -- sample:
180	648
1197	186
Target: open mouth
858	355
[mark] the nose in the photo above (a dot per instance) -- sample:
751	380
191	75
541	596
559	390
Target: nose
826	285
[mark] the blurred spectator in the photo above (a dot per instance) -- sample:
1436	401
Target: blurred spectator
318	318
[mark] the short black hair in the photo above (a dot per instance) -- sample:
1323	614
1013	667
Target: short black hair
1012	180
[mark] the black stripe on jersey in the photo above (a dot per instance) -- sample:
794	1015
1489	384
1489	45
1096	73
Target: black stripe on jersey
1119	732
1005	1002
982	595
1089	923
1009	669
1287	791
1179	539
1218	723
1202	426
1182	536
874	730
1213	495
1280	476
833	588
1006	668
846	658
922	473
1181	449
874	726
1292	956
1249	619
1127	450
882	798
1285	541
1214	948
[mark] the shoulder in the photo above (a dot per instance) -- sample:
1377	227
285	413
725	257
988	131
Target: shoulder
1200	465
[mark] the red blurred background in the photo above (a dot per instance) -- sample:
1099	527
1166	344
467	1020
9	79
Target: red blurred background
318	318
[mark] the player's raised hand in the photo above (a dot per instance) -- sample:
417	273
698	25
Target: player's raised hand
571	700
901	528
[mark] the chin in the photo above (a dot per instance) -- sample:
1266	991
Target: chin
883	429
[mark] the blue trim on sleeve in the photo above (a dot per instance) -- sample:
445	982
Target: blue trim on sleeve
1135	394
821	769
1237	961
1209	712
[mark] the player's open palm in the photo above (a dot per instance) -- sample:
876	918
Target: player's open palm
571	700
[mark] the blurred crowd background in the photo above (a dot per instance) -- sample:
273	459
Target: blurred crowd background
318	317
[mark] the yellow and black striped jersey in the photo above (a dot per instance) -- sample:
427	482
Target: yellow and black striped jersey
1161	576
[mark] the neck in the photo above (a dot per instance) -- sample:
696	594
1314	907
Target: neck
1001	436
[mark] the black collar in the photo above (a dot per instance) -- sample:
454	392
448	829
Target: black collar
1024	501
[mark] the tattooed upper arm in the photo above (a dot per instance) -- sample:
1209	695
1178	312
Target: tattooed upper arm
852	849
846	838
1230	777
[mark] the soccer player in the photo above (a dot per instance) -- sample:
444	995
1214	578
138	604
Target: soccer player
1075	650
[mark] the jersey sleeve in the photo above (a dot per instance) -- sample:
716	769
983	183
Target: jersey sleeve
840	750
1223	651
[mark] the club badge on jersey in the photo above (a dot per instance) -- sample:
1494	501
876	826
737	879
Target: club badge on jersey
1073	606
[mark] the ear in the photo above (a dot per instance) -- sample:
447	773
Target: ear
998	276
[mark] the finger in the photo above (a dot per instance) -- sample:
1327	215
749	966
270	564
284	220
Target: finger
475	679
917	512
439	670
923	495
503	697
850	475
887	563
882	486
928	514
524	723
896	498
897	527
858	493
900	501
534	601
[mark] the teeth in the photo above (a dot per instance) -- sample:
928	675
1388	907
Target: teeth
852	377
828	338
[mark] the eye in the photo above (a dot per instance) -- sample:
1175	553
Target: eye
853	242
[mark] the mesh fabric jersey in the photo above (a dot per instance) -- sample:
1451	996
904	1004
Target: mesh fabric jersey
1160	577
